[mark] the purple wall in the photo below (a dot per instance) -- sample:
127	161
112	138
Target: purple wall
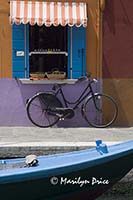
13	100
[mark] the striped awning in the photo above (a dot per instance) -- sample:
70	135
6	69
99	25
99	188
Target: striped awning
48	13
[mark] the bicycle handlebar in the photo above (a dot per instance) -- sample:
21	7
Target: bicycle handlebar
87	77
80	79
83	78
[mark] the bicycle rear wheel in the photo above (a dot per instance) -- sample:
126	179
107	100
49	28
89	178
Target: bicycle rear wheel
94	110
37	111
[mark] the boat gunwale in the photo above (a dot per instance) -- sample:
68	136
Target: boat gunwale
39	171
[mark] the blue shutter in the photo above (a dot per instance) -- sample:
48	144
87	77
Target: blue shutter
18	62
78	51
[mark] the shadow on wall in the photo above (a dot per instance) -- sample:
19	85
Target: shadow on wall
118	90
12	108
112	11
117	39
109	15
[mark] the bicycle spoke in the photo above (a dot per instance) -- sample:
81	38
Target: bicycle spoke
48	118
37	112
95	111
35	105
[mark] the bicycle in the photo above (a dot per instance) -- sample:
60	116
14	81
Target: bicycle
45	109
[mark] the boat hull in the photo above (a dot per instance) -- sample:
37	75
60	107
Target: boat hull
69	186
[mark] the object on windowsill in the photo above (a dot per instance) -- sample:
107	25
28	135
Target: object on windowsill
37	76
56	74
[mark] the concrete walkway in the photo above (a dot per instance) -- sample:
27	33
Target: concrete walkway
20	141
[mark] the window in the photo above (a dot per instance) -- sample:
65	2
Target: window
48	48
53	37
33	47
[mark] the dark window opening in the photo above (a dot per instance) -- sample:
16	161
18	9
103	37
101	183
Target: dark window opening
48	40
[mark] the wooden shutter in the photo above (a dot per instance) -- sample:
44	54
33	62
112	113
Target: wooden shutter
78	51
20	61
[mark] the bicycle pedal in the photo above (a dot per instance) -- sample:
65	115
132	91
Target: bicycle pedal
62	119
59	115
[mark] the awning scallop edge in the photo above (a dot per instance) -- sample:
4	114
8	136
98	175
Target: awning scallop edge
48	13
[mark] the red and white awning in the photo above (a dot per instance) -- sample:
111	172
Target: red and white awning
48	13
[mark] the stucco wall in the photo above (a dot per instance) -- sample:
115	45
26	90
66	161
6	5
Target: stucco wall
5	41
118	57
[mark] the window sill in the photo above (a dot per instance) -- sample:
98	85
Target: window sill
66	81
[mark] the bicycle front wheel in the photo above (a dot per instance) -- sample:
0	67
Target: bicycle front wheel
37	111
100	111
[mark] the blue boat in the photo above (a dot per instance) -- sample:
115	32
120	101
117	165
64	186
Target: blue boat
84	174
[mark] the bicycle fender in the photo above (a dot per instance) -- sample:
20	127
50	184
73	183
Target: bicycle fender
47	92
39	93
49	98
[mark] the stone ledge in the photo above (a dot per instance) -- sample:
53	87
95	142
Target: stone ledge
64	81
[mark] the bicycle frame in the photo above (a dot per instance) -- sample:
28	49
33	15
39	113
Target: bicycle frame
80	99
56	109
